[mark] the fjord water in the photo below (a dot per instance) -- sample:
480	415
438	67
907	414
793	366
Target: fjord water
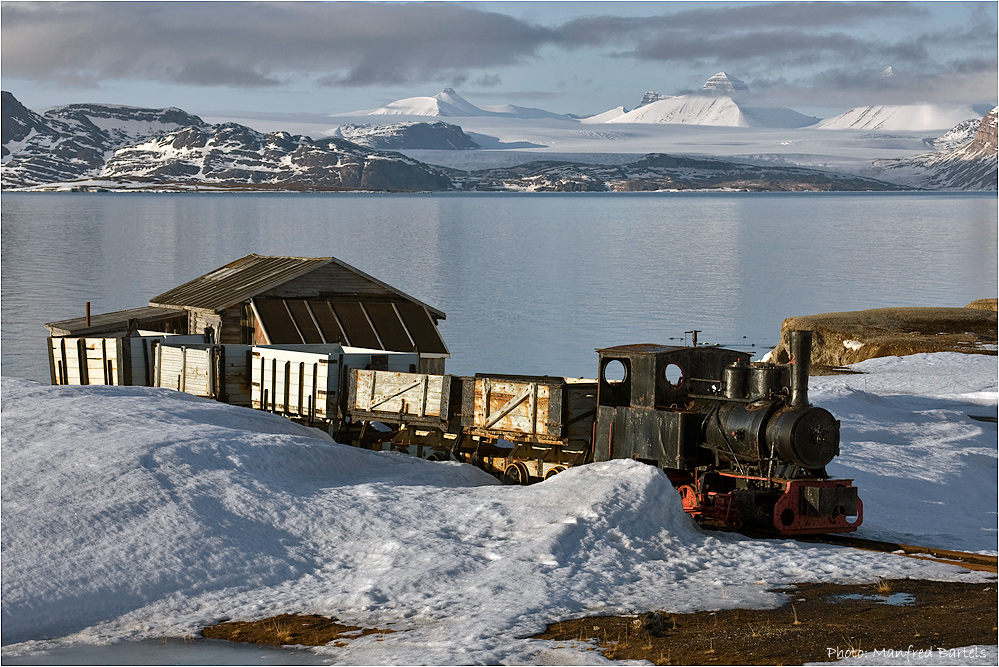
531	283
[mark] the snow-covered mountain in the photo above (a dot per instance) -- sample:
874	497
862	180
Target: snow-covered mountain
449	103
957	136
972	166
717	103
403	136
901	117
234	155
708	109
74	141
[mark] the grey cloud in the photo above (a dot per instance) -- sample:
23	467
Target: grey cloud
806	16
246	44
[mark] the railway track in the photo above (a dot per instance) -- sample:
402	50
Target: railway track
969	560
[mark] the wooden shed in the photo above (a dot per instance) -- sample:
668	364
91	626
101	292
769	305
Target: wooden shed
266	300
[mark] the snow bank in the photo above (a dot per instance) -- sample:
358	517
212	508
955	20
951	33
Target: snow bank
136	513
927	471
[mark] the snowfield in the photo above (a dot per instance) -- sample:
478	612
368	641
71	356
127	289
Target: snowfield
132	513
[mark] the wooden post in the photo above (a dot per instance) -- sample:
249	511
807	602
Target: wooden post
88	313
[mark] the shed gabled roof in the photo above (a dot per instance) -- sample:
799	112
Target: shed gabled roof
116	321
256	275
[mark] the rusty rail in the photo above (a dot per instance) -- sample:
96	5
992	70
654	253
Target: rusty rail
966	559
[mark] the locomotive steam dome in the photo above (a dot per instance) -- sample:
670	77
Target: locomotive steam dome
807	436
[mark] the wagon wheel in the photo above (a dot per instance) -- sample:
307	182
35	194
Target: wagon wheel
554	471
516	473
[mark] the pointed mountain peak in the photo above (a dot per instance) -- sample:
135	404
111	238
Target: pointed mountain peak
723	82
887	73
450	96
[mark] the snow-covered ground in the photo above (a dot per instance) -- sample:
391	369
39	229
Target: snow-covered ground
135	513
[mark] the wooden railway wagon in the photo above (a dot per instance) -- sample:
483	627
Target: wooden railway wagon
421	409
111	359
220	372
309	382
548	420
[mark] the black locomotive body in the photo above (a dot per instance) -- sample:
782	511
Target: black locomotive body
739	440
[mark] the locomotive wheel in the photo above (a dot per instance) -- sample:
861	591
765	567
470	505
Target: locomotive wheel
516	473
439	456
554	471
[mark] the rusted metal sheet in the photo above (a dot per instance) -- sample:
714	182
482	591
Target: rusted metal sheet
395	326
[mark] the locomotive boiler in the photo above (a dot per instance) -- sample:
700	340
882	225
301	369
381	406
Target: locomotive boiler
739	440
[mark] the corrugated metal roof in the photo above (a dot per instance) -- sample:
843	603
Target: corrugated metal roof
237	281
116	321
254	275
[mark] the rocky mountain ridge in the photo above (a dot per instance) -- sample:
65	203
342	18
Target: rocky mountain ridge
89	146
120	146
971	166
74	141
656	172
237	155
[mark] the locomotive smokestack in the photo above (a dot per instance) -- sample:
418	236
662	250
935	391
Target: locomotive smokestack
801	362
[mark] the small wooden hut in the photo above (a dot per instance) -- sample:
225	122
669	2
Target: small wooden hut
265	300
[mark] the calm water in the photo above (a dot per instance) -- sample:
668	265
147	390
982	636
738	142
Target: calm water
530	283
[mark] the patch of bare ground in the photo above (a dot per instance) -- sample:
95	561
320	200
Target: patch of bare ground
289	630
819	622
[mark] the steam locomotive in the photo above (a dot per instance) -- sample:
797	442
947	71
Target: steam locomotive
739	440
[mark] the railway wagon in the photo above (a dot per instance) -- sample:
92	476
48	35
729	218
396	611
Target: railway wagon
114	359
309	382
422	410
220	372
547	420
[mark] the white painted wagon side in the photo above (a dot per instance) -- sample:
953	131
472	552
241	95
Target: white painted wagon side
106	360
308	381
294	382
186	368
220	372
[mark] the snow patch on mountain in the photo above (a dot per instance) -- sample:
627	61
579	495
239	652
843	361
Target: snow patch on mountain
404	136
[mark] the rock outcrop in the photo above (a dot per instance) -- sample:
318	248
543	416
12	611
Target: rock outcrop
851	337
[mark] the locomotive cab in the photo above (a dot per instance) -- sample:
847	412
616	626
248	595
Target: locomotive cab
739	440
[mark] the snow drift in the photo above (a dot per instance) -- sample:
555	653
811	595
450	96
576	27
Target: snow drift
133	513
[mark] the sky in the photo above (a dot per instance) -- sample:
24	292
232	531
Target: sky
317	58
